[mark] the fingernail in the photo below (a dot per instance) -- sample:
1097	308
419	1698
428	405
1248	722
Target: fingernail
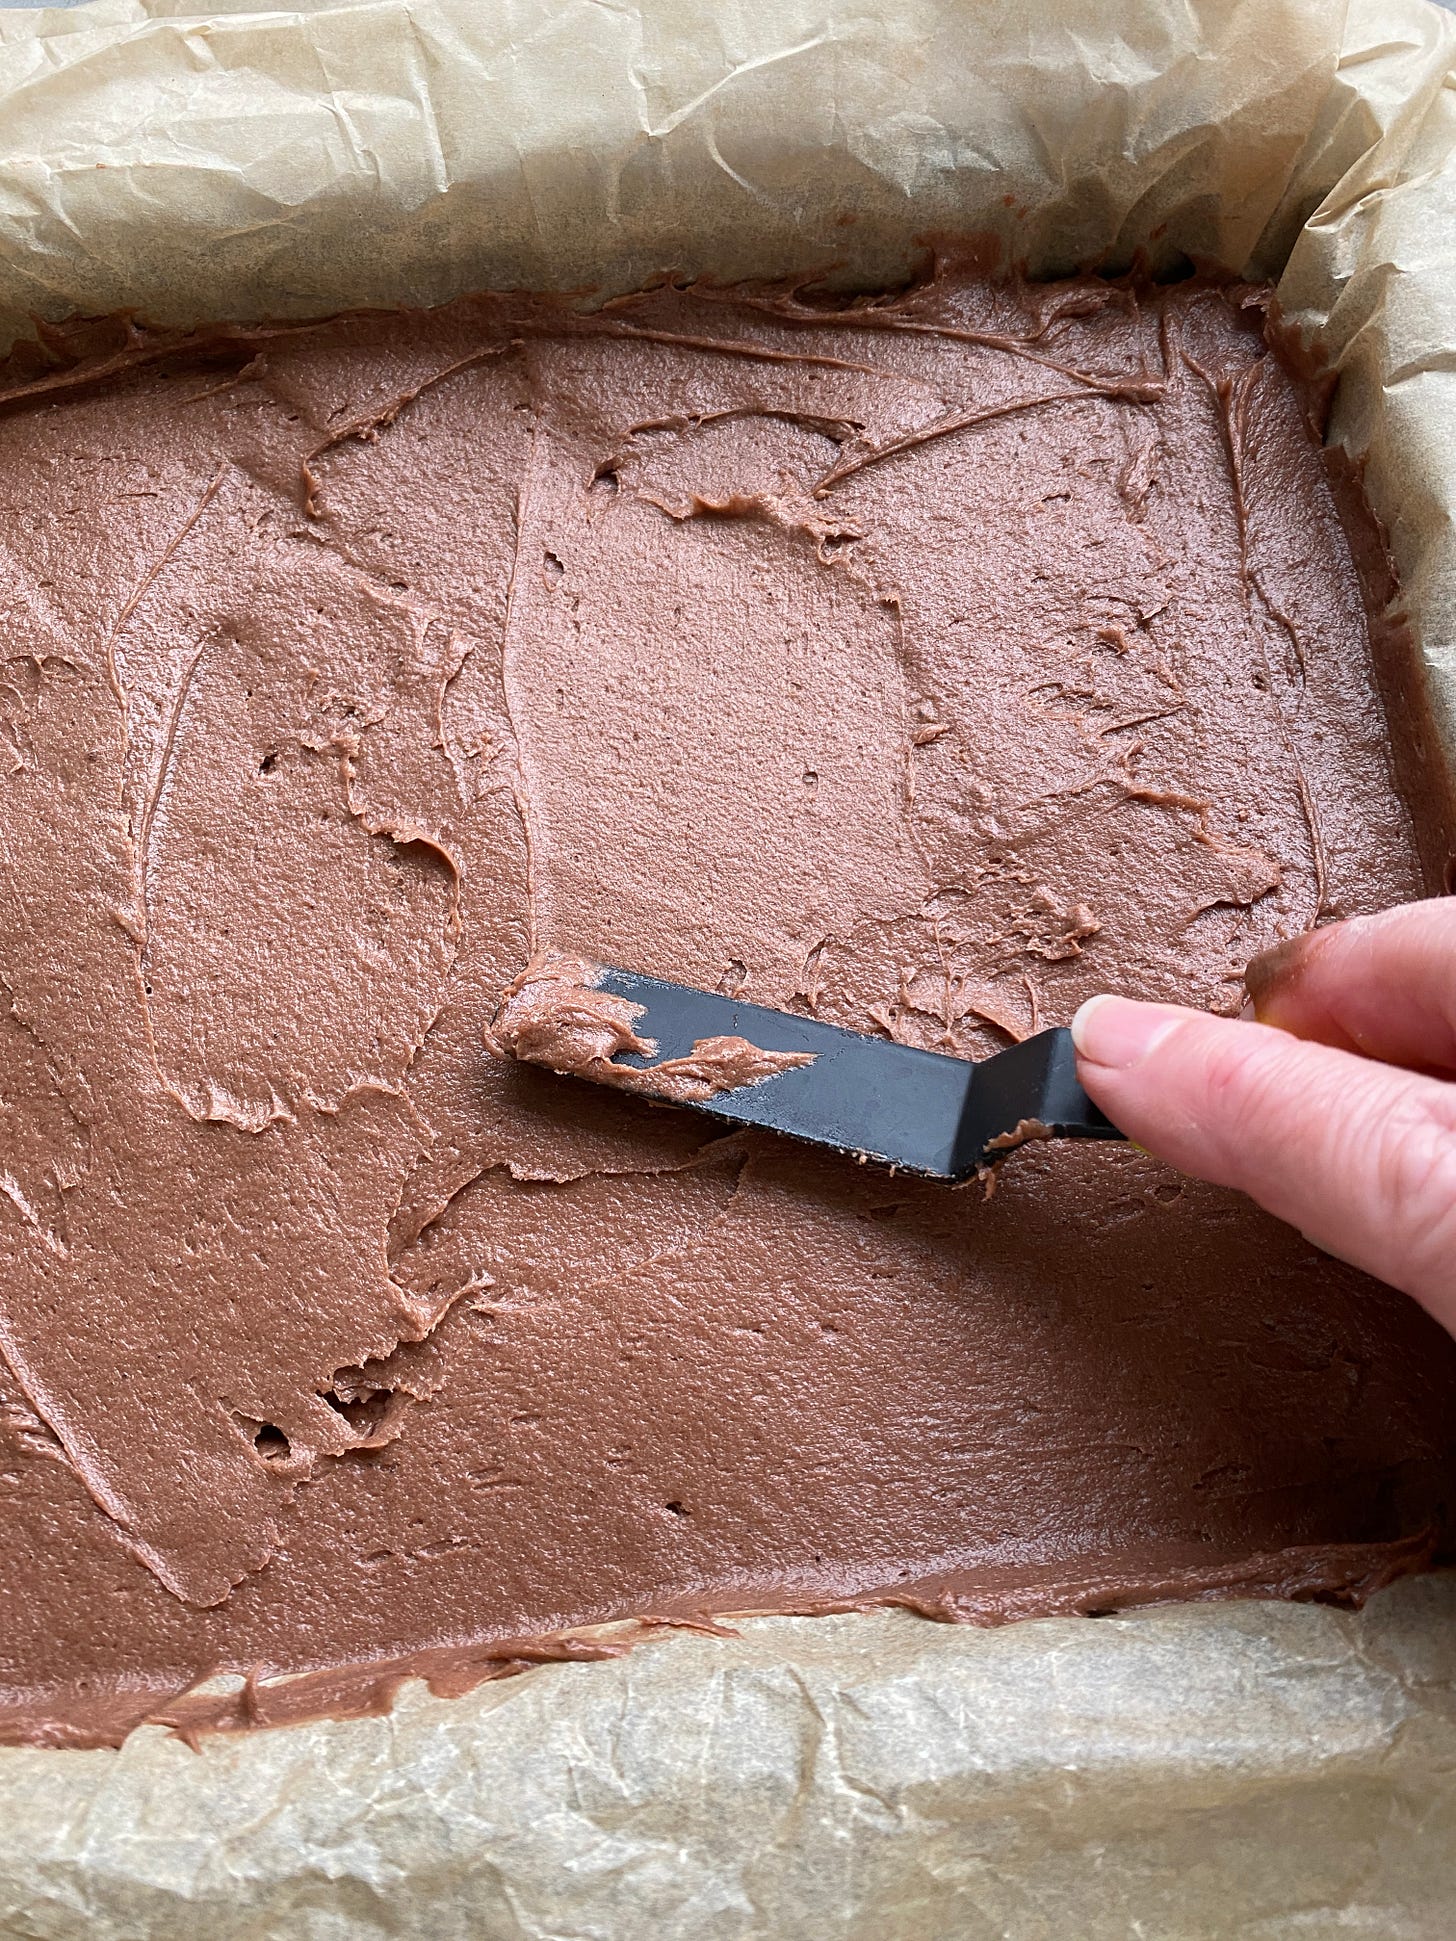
1267	973
1117	1032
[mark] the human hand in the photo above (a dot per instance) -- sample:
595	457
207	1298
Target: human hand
1334	1108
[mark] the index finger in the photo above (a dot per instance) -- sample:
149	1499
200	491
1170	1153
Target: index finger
1384	986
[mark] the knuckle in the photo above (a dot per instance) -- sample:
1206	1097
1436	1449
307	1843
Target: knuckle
1237	1081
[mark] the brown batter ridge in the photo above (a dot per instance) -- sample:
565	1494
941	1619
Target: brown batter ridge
929	664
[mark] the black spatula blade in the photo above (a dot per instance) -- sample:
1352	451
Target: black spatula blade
920	1111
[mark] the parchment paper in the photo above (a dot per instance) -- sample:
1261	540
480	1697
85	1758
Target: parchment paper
1190	1774
1265	1772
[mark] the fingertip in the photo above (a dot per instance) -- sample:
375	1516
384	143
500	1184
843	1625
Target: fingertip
1270	967
1082	1027
1273	971
1119	1032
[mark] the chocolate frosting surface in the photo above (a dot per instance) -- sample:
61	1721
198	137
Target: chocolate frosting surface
930	664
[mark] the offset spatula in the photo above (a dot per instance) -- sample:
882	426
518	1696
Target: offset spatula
919	1111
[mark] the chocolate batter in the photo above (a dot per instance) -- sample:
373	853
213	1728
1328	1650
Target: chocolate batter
930	664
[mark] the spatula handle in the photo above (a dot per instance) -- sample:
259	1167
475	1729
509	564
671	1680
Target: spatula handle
1035	1084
